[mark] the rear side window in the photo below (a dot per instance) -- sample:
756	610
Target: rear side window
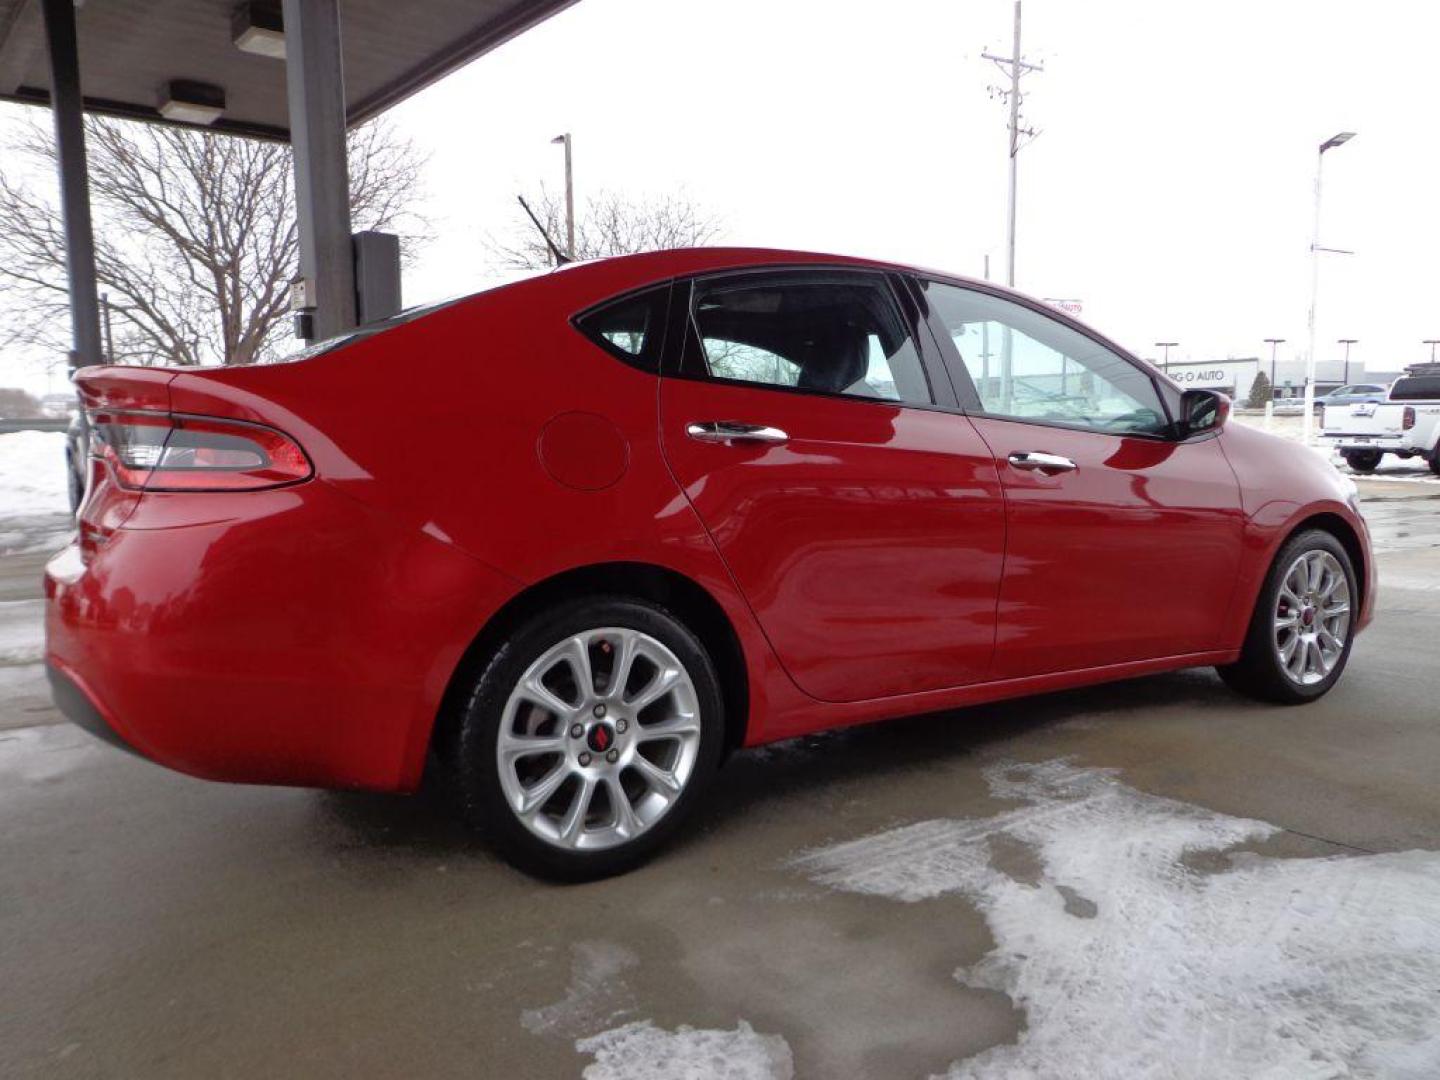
631	328
1416	388
831	333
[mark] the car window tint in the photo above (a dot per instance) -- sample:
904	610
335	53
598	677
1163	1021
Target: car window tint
1416	388
630	327
1028	366
836	334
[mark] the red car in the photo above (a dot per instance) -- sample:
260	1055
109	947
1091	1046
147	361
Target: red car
577	538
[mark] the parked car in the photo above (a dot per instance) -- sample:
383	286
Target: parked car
1350	394
666	506
1407	424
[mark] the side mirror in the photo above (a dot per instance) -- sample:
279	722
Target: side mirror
1202	410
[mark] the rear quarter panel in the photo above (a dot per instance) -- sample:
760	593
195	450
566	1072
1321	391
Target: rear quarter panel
440	425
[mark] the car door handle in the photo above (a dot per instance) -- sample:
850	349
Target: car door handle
728	431
1042	462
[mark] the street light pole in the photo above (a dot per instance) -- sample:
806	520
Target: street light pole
1167	346
1329	144
1347	342
569	193
1273	342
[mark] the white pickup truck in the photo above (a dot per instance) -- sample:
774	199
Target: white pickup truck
1406	423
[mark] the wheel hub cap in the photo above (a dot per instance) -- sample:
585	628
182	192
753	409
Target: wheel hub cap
601	738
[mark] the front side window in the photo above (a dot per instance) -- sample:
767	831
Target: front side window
827	333
1027	366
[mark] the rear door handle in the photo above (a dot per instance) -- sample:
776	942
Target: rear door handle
728	431
1038	461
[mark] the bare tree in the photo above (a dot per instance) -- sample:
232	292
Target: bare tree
196	236
609	223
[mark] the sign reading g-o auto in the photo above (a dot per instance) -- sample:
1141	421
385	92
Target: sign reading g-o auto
1234	375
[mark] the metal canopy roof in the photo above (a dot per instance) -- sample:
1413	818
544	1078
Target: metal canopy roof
129	49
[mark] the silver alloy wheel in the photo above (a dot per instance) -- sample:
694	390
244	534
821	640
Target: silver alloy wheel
1312	617
598	739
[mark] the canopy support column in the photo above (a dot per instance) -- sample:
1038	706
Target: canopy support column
68	107
316	89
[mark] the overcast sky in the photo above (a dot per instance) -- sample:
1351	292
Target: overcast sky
1170	189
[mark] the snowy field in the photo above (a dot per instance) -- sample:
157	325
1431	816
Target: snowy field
34	498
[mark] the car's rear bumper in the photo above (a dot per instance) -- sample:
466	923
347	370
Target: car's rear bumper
288	637
1386	443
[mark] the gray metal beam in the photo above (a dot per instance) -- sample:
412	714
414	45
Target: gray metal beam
316	87
74	182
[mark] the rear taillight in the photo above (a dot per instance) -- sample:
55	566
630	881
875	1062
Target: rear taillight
161	452
1408	421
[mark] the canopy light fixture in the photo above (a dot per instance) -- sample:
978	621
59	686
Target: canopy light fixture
259	28
188	102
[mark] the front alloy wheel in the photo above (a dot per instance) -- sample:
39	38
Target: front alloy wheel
588	736
1300	632
1312	617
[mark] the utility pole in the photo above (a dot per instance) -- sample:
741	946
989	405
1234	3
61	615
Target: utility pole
1015	67
1273	342
1167	346
569	194
1347	342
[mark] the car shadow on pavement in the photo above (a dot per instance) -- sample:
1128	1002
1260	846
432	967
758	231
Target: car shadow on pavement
885	749
428	824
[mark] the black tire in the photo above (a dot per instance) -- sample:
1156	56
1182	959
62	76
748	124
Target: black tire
1258	673
1435	460
474	770
1363	461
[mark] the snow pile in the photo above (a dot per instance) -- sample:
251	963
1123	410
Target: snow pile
34	494
1129	963
642	1051
32	474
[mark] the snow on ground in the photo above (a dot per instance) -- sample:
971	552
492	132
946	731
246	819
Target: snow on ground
23	686
599	995
642	1051
22	631
34	498
32	473
1129	963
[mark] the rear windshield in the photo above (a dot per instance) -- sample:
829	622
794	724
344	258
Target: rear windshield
360	333
1416	388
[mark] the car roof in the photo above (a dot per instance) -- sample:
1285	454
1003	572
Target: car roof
658	265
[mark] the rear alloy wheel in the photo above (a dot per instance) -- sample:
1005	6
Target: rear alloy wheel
589	736
1300	634
1362	460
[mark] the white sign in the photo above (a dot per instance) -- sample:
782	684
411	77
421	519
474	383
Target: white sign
1237	374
